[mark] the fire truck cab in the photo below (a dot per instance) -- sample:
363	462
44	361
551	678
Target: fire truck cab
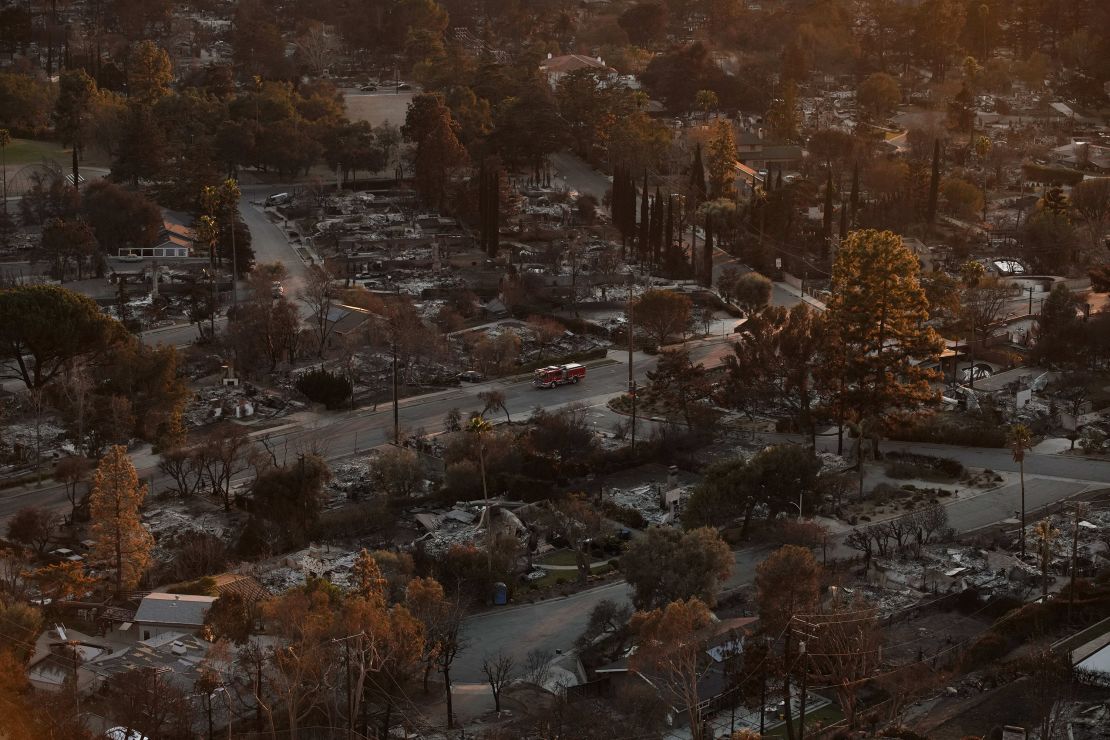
553	375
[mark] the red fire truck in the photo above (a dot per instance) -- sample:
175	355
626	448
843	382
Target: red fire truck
553	375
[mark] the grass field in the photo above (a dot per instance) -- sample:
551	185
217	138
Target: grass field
28	151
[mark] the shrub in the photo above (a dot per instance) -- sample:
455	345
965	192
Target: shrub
200	587
966	433
626	515
987	649
321	386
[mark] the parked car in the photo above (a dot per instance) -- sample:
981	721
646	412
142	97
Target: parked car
978	371
471	376
404	86
369	88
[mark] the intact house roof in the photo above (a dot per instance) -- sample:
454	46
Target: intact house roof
570	63
175	609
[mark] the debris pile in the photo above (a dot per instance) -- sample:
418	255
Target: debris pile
465	524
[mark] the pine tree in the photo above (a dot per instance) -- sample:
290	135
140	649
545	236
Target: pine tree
934	184
121	544
878	312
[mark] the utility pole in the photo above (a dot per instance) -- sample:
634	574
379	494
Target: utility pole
1030	289
802	657
631	374
396	412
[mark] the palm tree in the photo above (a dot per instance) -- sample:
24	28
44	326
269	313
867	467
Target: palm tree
479	427
1046	534
707	101
1020	440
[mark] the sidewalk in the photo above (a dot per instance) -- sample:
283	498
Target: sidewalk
813	302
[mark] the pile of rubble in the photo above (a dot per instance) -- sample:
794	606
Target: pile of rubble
350	481
657	503
242	401
170	523
465	524
295	568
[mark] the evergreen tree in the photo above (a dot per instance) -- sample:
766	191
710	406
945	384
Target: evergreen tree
483	209
657	216
645	221
828	212
493	204
697	177
828	216
121	543
843	222
707	251
877	312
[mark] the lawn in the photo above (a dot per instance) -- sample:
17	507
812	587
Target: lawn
568	576
561	557
29	151
824	716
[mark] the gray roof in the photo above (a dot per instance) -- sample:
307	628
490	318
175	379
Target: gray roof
173	609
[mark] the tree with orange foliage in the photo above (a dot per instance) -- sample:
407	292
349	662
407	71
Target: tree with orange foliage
671	647
787	583
121	543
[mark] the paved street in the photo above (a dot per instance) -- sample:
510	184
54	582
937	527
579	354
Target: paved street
574	173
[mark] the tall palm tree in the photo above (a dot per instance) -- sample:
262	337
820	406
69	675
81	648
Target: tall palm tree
1046	534
1020	441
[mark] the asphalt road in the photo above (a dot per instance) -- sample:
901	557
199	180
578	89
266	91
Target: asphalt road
554	624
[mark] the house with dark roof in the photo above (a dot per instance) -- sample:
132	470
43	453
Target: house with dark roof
754	151
722	650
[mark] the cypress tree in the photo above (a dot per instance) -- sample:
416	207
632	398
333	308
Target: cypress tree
934	184
645	220
697	177
843	222
707	252
494	199
483	209
828	205
778	181
656	226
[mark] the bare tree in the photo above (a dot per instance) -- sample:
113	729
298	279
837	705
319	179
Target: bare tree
317	48
72	471
537	666
184	467
223	456
494	400
847	649
319	296
983	302
499	672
